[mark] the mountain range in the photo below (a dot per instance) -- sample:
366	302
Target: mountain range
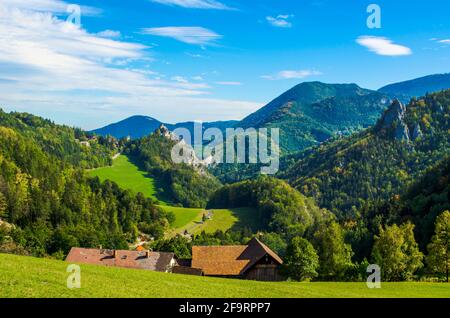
139	126
307	114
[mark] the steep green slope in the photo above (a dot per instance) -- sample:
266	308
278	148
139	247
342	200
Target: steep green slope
421	203
377	163
187	185
44	278
61	141
53	205
128	176
312	112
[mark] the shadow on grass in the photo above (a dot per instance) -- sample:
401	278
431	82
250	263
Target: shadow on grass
247	218
162	188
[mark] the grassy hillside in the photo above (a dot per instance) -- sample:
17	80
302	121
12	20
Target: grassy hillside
221	220
128	176
225	219
184	216
33	277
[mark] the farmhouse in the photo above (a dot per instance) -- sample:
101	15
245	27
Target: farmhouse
254	261
161	262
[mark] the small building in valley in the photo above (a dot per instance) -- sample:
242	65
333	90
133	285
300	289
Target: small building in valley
254	261
153	261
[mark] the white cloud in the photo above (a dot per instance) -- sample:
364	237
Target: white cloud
446	41
179	79
190	35
195	4
383	46
109	34
229	83
281	21
53	68
292	74
53	6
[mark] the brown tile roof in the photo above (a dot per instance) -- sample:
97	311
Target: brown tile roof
219	260
129	259
230	260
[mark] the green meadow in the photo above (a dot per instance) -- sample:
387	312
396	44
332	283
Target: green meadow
225	219
22	276
128	176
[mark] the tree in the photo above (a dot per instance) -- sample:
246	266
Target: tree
438	259
3	205
275	241
397	253
301	260
334	254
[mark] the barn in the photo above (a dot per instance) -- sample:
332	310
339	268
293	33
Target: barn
254	261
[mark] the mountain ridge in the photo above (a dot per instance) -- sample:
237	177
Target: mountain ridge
307	114
418	86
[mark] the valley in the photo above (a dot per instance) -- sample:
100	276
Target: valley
224	149
128	175
358	196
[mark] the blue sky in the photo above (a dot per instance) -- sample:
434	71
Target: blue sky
179	60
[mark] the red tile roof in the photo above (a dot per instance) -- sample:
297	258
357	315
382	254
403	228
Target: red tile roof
122	258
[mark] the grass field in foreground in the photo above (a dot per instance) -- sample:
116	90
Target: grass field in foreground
128	176
33	277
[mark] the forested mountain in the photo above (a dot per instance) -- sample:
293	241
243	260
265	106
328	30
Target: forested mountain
134	127
307	114
189	186
51	204
71	145
280	208
312	112
379	163
418	87
137	127
421	203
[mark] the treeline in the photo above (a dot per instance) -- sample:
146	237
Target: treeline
48	204
61	141
188	186
315	245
